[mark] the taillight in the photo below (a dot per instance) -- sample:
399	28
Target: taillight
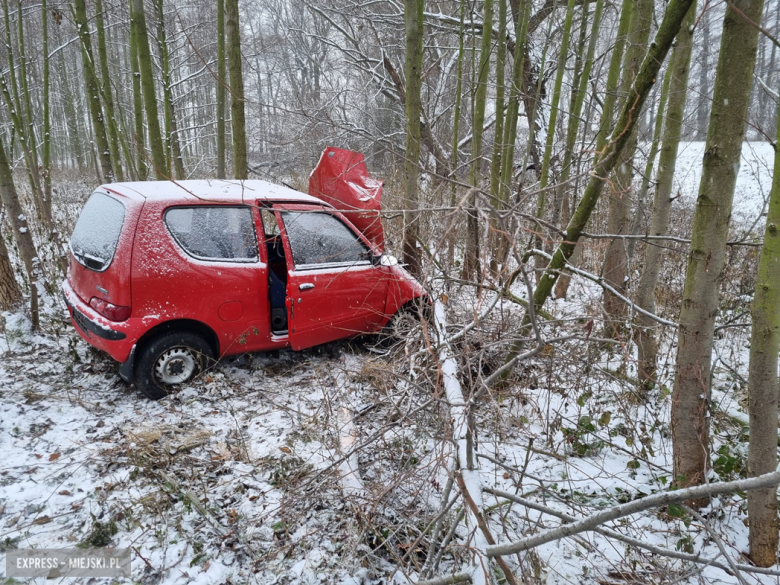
109	310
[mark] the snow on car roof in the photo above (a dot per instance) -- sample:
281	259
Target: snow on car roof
212	190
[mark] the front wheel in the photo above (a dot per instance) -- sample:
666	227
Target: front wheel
170	360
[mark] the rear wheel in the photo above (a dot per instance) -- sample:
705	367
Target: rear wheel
170	360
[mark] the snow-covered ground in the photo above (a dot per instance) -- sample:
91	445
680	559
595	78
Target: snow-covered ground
754	180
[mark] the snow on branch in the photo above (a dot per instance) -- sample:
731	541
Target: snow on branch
653	501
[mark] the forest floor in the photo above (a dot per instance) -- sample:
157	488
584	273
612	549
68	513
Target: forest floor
236	479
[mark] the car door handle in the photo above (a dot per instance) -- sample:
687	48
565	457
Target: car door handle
305	286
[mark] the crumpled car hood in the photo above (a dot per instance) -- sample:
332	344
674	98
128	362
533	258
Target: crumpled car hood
342	180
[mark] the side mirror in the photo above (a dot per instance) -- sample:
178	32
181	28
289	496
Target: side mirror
387	260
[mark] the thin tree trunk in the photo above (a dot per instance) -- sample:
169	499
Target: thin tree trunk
69	108
577	101
221	81
46	113
619	218
93	92
680	67
613	76
644	190
763	384
703	106
173	146
21	231
471	263
553	122
138	18
707	253
645	79
240	168
456	125
139	136
108	96
413	22
495	163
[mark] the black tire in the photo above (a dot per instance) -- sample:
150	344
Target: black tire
168	361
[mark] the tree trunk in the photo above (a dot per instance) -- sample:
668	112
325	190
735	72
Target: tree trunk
645	79
21	231
139	134
703	105
763	384
495	163
138	17
240	168
108	94
221	81
471	260
10	295
46	113
680	66
69	109
619	218
93	92
413	22
575	107
553	123
173	146
707	253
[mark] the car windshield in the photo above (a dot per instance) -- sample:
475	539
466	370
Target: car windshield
96	234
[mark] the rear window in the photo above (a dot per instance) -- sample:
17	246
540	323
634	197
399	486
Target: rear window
214	233
94	239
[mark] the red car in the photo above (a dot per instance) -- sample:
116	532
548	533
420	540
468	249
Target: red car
167	276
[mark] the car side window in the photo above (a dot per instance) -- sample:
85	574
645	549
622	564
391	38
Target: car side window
220	233
318	239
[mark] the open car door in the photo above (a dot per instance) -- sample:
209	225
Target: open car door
333	289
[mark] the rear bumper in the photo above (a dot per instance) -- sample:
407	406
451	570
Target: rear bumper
116	339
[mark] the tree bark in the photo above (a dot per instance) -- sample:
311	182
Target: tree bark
471	261
240	168
173	146
138	18
413	23
93	92
680	66
139	134
108	94
763	384
21	231
10	295
619	217
221	82
707	253
46	113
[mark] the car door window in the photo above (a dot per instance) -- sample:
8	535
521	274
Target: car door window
319	239
214	233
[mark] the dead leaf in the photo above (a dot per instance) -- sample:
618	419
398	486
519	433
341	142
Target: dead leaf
64	493
54	456
285	449
37	456
42	520
444	299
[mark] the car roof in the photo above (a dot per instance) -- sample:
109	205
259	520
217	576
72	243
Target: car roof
220	190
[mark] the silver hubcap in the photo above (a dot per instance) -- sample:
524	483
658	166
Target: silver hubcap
176	365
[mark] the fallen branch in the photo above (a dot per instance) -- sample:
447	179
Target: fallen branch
464	577
653	501
656	550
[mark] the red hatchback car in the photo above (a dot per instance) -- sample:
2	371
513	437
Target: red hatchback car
166	276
